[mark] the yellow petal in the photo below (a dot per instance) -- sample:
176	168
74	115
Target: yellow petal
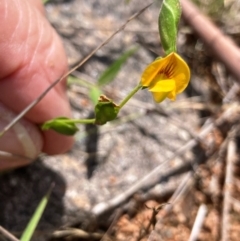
159	96
151	71
166	77
163	86
172	95
181	73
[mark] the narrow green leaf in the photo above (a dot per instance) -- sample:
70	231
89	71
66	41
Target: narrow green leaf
62	125
94	94
111	72
169	16
74	80
28	232
105	110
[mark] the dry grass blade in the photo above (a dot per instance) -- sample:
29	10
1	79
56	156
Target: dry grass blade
38	99
76	233
202	211
7	234
231	155
182	189
117	215
180	192
231	93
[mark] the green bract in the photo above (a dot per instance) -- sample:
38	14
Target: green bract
168	20
61	125
105	110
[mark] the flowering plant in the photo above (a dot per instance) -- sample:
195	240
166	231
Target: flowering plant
165	77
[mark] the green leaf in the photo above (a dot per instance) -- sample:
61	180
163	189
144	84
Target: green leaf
94	94
168	20
74	80
28	232
111	72
105	110
61	125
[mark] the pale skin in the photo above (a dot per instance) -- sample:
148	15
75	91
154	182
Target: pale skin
31	57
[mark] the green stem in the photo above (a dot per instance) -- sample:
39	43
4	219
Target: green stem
130	95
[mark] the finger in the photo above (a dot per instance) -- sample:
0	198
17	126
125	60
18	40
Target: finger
32	57
38	4
23	142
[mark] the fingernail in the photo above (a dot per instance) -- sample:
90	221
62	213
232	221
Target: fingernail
19	145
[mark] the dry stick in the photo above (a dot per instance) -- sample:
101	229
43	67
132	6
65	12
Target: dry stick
7	234
218	72
115	219
202	211
235	203
183	187
181	190
220	45
76	233
231	155
152	221
116	201
231	93
30	106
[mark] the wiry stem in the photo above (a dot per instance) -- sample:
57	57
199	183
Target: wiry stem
130	95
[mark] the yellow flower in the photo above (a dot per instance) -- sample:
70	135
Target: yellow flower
166	77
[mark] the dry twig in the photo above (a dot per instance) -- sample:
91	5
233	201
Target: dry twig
76	233
180	192
202	211
231	155
115	219
231	93
7	234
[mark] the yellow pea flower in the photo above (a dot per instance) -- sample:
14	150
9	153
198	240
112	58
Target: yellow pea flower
166	77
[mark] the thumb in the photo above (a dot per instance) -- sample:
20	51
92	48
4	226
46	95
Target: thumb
21	144
32	57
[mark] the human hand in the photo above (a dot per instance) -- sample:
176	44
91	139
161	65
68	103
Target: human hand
32	57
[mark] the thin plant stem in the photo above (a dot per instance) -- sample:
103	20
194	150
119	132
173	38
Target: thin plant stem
130	95
7	234
92	121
